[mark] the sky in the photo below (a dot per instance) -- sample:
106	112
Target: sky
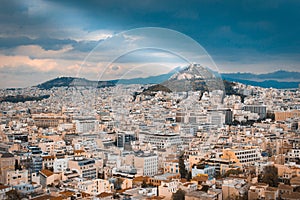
40	40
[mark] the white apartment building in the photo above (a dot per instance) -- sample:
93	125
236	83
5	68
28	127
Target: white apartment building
246	156
209	171
60	164
146	164
85	167
294	154
216	118
161	141
86	124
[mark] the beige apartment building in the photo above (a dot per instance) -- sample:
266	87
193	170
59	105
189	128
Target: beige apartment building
95	186
168	188
16	177
171	167
283	115
85	167
7	163
49	120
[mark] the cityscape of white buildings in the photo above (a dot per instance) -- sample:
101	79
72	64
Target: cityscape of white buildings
119	143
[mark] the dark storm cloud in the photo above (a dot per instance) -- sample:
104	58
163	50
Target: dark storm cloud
268	26
237	34
46	43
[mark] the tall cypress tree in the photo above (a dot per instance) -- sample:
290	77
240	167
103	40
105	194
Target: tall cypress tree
182	170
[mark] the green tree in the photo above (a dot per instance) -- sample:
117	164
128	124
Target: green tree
270	176
189	176
116	196
205	188
218	175
234	197
179	195
13	195
144	184
182	170
297	189
118	183
17	166
233	172
271	115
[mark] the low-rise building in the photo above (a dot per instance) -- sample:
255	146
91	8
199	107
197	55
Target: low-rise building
208	170
3	190
171	166
168	188
46	177
95	186
7	163
233	188
16	177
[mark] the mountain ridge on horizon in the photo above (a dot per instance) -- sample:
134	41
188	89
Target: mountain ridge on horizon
275	75
277	79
